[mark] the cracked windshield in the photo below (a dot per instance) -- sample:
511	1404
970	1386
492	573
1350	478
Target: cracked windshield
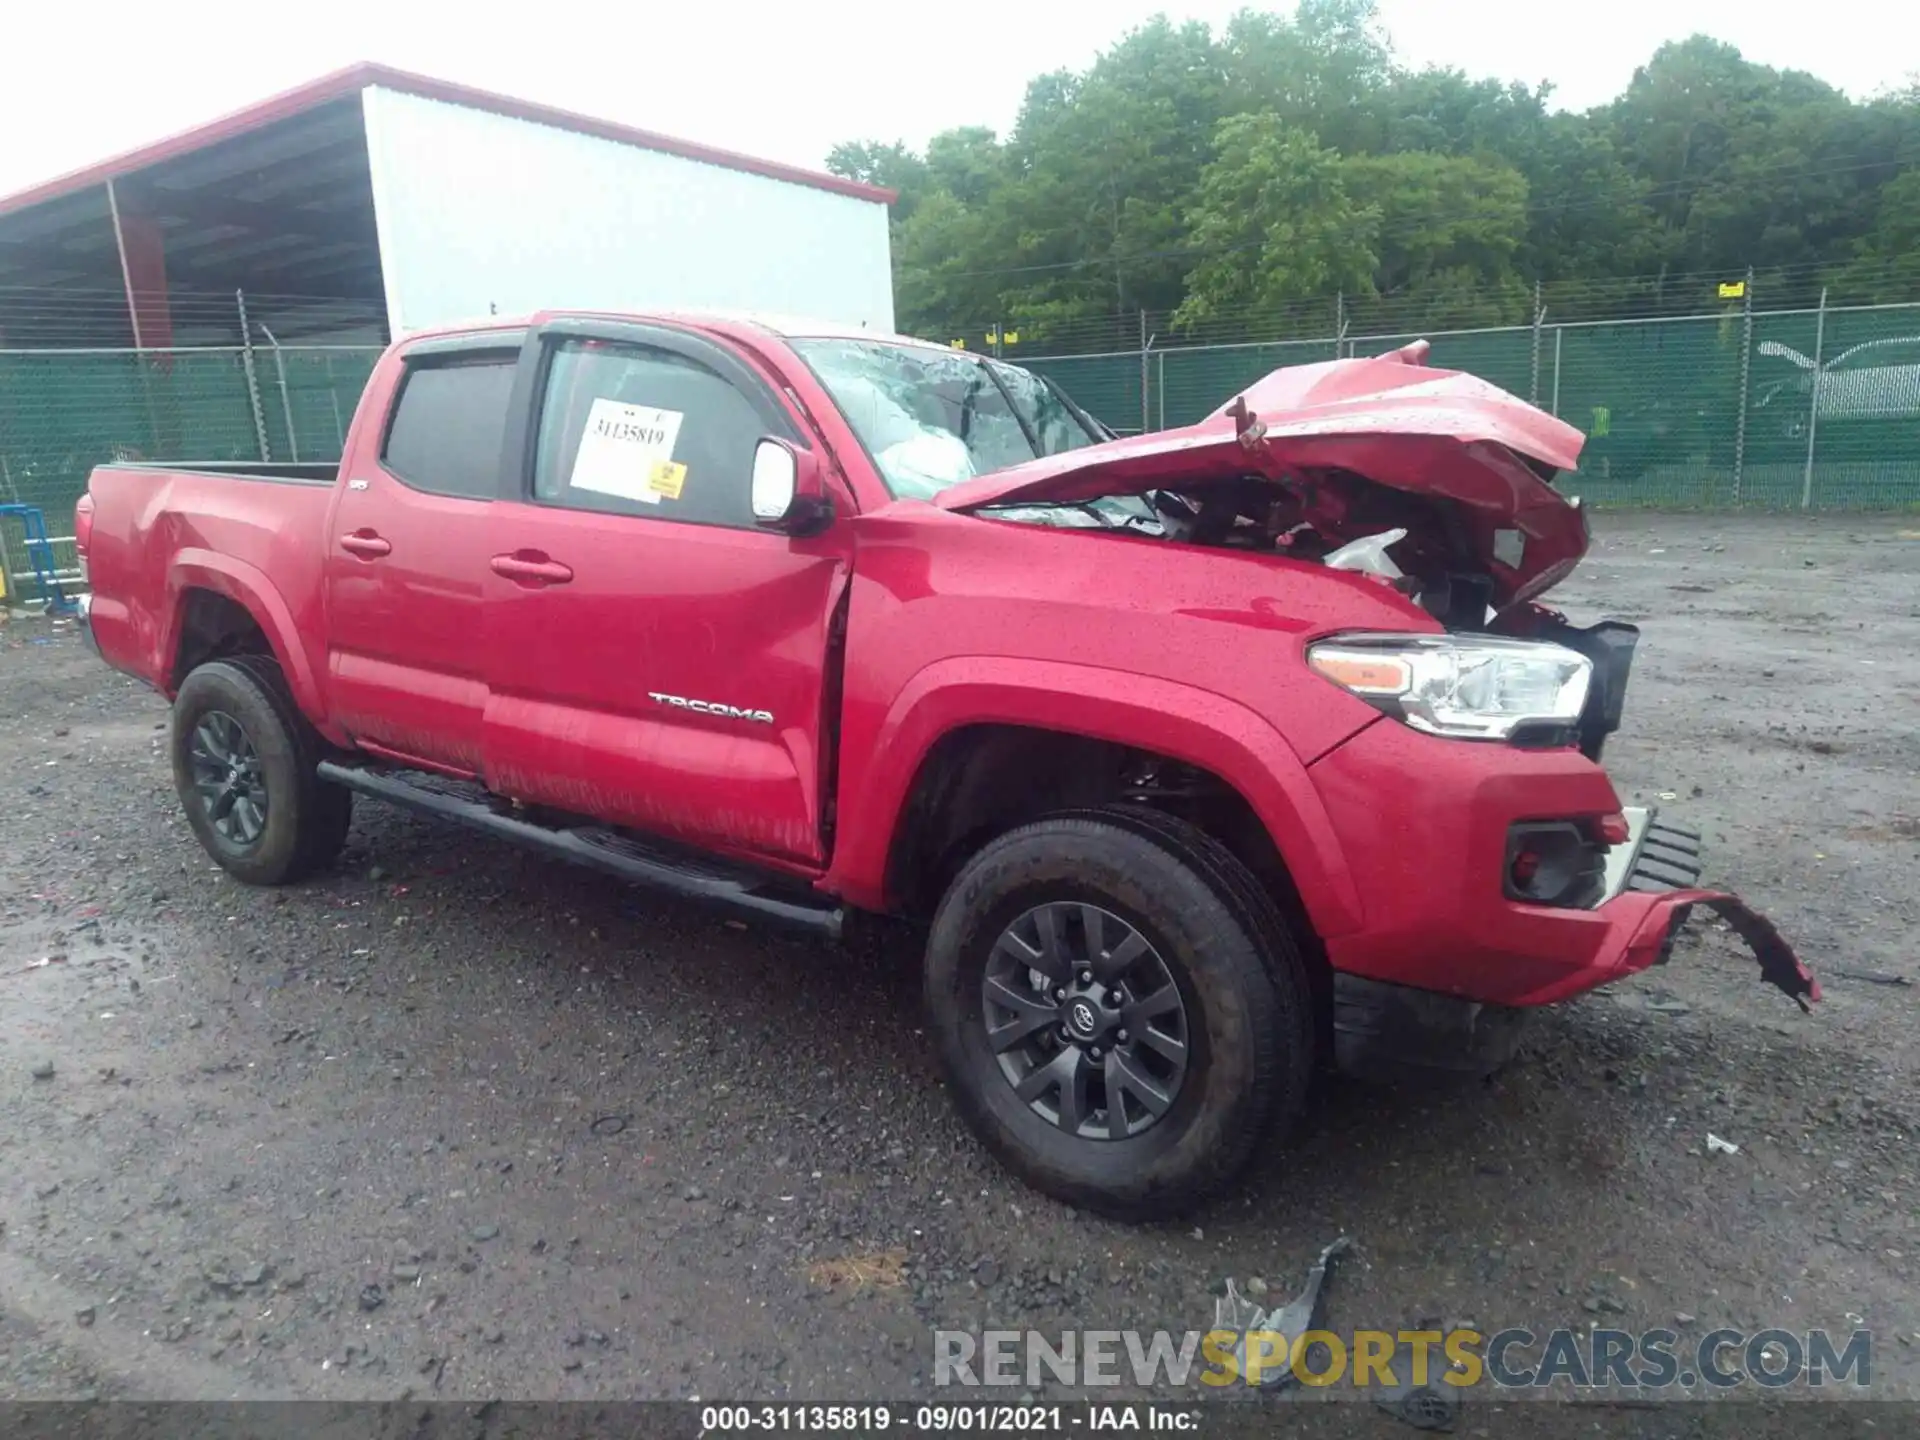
931	418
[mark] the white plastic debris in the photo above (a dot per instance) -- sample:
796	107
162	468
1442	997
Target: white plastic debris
1717	1146
1367	554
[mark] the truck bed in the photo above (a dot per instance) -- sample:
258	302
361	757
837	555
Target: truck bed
254	534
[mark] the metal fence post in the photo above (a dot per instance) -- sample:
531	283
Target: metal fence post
1539	318
1559	334
1339	324
1160	366
253	379
286	402
333	395
1813	408
1146	396
1746	374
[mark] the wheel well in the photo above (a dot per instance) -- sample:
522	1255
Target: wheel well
983	780
212	626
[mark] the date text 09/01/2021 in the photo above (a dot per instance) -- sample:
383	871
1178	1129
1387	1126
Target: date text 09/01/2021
948	1419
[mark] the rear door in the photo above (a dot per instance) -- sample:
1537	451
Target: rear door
407	556
654	658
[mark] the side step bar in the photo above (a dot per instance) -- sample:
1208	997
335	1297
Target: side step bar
629	857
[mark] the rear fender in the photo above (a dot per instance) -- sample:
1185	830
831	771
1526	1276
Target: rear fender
1197	727
247	586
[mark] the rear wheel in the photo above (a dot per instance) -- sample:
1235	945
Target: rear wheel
1118	1012
244	763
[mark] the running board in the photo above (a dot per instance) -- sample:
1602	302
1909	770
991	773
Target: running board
644	862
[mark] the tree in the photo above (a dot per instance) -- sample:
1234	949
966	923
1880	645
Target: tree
1887	259
1102	166
967	163
1448	229
892	166
1321	70
1289	157
1274	224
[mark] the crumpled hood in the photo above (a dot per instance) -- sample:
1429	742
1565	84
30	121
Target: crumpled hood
1389	418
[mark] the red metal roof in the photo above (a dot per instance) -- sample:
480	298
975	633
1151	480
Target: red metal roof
356	78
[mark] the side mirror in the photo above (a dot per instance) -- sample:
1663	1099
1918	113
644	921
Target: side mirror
788	491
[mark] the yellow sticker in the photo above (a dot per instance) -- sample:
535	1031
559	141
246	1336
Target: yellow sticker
667	478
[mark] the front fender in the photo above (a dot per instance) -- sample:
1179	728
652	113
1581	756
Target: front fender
1203	729
193	568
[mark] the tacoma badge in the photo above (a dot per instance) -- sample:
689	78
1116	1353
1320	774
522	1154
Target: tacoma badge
712	707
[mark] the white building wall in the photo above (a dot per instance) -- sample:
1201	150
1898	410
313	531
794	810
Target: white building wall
483	214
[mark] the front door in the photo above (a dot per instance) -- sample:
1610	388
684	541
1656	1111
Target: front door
407	556
654	658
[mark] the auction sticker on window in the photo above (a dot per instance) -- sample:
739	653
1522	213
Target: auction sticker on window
624	448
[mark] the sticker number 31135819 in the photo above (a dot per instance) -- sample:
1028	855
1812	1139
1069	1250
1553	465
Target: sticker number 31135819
627	450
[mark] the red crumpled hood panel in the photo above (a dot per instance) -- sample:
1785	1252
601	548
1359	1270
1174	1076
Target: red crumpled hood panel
1388	418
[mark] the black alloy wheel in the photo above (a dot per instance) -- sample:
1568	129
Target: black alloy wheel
227	779
1086	1021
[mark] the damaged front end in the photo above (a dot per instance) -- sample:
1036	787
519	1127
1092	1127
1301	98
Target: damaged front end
1662	862
1441	486
1650	888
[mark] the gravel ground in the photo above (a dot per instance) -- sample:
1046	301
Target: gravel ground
456	1121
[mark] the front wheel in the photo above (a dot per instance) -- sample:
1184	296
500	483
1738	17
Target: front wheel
1117	1010
244	763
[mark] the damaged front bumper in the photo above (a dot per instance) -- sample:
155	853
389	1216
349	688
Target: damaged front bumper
1662	861
1383	1029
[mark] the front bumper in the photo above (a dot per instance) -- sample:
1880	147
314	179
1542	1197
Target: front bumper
1423	824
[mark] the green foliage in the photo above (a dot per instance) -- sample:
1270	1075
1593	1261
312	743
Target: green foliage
1290	157
1276	223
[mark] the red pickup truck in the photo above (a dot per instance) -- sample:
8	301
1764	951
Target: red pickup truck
1206	757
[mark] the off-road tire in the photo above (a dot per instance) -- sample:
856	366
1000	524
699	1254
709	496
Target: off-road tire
306	819
1249	1005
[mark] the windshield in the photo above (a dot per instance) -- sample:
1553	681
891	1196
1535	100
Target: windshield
931	418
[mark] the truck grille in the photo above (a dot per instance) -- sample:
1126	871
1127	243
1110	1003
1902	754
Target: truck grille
1669	859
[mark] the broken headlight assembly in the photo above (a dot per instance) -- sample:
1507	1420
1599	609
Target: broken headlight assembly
1472	687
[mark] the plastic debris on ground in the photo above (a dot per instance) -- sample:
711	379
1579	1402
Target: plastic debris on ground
1302	1313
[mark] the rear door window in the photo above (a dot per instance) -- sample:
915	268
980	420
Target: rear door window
448	425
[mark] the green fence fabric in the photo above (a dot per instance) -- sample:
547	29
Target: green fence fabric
63	412
1707	412
1730	411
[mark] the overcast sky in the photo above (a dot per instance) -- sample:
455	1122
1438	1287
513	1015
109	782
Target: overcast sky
787	81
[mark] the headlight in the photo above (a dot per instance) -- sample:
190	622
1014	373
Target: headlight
1479	687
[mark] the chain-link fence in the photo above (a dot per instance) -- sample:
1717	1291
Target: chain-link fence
1816	408
64	411
1782	409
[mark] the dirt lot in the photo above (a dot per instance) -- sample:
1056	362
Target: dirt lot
463	1122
